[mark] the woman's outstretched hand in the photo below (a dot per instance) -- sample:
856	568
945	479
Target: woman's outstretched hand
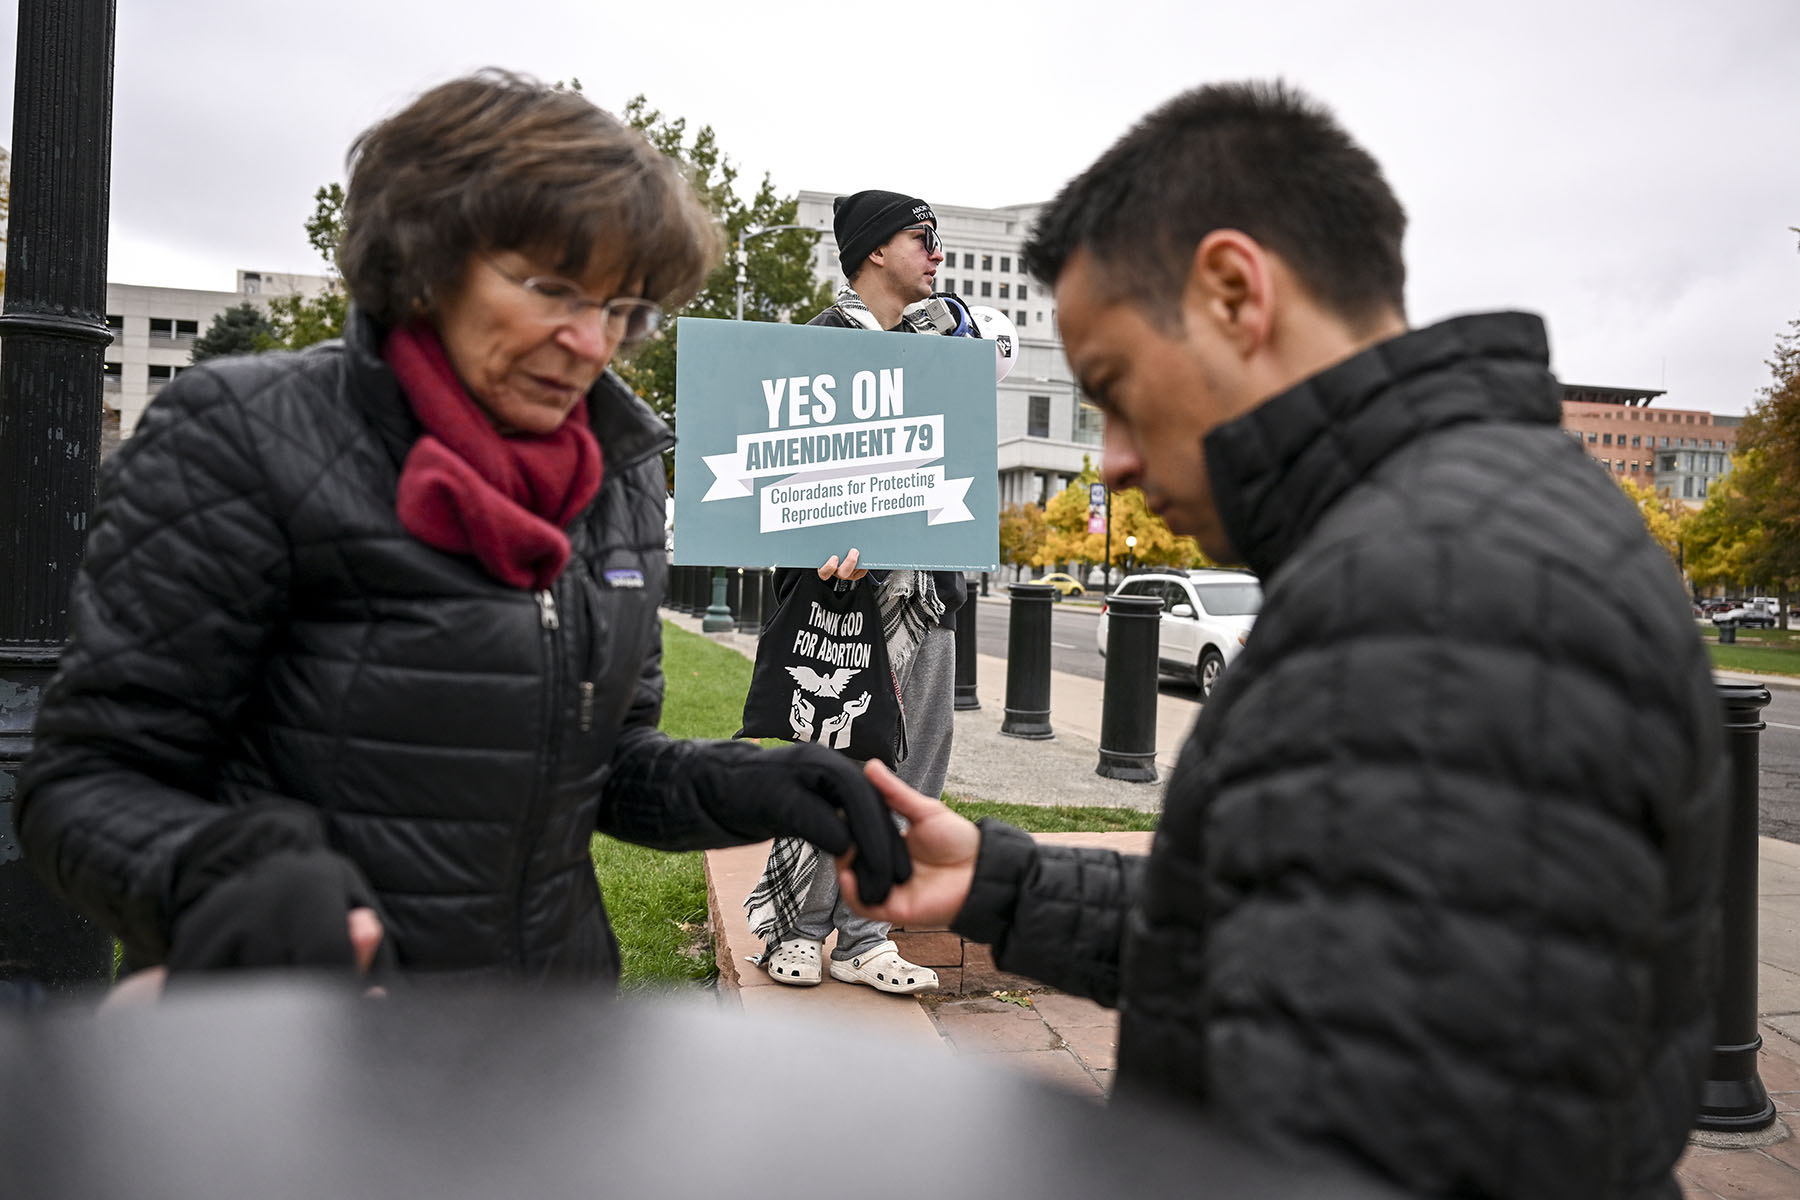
943	847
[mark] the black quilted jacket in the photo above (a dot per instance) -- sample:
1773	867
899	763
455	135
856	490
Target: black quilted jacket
252	623
1435	882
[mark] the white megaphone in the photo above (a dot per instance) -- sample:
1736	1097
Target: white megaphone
998	328
953	316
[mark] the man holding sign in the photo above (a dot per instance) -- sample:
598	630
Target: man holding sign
890	250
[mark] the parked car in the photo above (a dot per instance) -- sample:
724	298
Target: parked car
1206	619
1065	585
1745	617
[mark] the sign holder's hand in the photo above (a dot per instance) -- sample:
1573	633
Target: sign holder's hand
842	570
943	847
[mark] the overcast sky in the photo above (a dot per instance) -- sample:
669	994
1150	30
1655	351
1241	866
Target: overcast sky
1626	169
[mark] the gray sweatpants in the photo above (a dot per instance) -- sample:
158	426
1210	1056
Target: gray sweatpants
928	689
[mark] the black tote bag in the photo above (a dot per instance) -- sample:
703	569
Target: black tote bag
822	673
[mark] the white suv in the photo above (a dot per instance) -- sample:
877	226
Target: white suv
1206	619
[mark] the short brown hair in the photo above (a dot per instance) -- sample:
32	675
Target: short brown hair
498	161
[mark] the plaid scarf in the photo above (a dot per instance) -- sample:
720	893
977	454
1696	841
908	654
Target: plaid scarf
773	905
852	307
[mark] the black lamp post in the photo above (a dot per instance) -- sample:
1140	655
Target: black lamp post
55	337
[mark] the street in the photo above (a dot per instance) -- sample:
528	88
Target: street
1072	650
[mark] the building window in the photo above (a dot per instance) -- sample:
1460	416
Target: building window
187	329
987	289
968	262
1089	425
987	262
162	327
112	376
949	285
1037	417
1592	438
1005	264
1023	318
1634	466
1005	290
1606	439
1022	294
1040	317
1636	440
115	322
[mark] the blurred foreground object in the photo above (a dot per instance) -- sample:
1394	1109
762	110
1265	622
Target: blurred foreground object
281	1090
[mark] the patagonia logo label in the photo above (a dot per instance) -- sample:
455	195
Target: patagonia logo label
624	577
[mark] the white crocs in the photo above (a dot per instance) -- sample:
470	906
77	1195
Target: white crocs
884	970
794	961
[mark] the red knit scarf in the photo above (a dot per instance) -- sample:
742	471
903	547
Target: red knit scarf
466	489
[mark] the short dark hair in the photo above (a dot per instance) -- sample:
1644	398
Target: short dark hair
1261	158
497	161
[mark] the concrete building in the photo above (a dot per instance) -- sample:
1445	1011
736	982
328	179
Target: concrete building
1045	427
1679	452
154	329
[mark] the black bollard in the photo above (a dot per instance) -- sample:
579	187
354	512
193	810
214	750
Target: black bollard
965	656
55	334
1028	662
750	607
716	616
699	590
668	592
1733	1099
1128	708
734	593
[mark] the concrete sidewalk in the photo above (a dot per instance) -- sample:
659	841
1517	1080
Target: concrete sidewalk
1070	1042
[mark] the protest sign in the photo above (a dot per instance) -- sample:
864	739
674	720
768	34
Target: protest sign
797	442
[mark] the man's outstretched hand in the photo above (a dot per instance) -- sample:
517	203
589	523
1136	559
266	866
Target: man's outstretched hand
943	847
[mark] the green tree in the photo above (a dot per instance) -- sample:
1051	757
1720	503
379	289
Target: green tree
297	321
240	329
1748	532
780	284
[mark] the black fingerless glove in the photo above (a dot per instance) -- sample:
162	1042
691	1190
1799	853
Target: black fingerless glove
259	888
808	792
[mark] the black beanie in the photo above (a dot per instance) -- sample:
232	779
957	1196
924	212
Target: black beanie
865	221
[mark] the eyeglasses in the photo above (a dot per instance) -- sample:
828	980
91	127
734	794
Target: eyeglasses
933	243
627	318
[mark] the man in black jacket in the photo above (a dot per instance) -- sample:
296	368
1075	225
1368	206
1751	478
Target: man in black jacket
1435	884
889	249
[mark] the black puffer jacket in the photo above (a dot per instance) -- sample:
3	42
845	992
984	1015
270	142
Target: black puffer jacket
1435	882
253	624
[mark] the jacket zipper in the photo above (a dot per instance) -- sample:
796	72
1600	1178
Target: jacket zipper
550	625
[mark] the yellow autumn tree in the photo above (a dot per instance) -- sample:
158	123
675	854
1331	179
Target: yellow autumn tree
1066	536
1662	517
1022	530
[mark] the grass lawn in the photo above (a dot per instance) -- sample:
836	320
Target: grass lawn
1057	818
1759	651
657	901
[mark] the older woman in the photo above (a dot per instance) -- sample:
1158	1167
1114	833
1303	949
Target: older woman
365	645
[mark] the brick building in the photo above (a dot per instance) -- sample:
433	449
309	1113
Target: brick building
1679	452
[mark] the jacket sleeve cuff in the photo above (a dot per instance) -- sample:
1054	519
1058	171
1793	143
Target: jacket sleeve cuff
1001	865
